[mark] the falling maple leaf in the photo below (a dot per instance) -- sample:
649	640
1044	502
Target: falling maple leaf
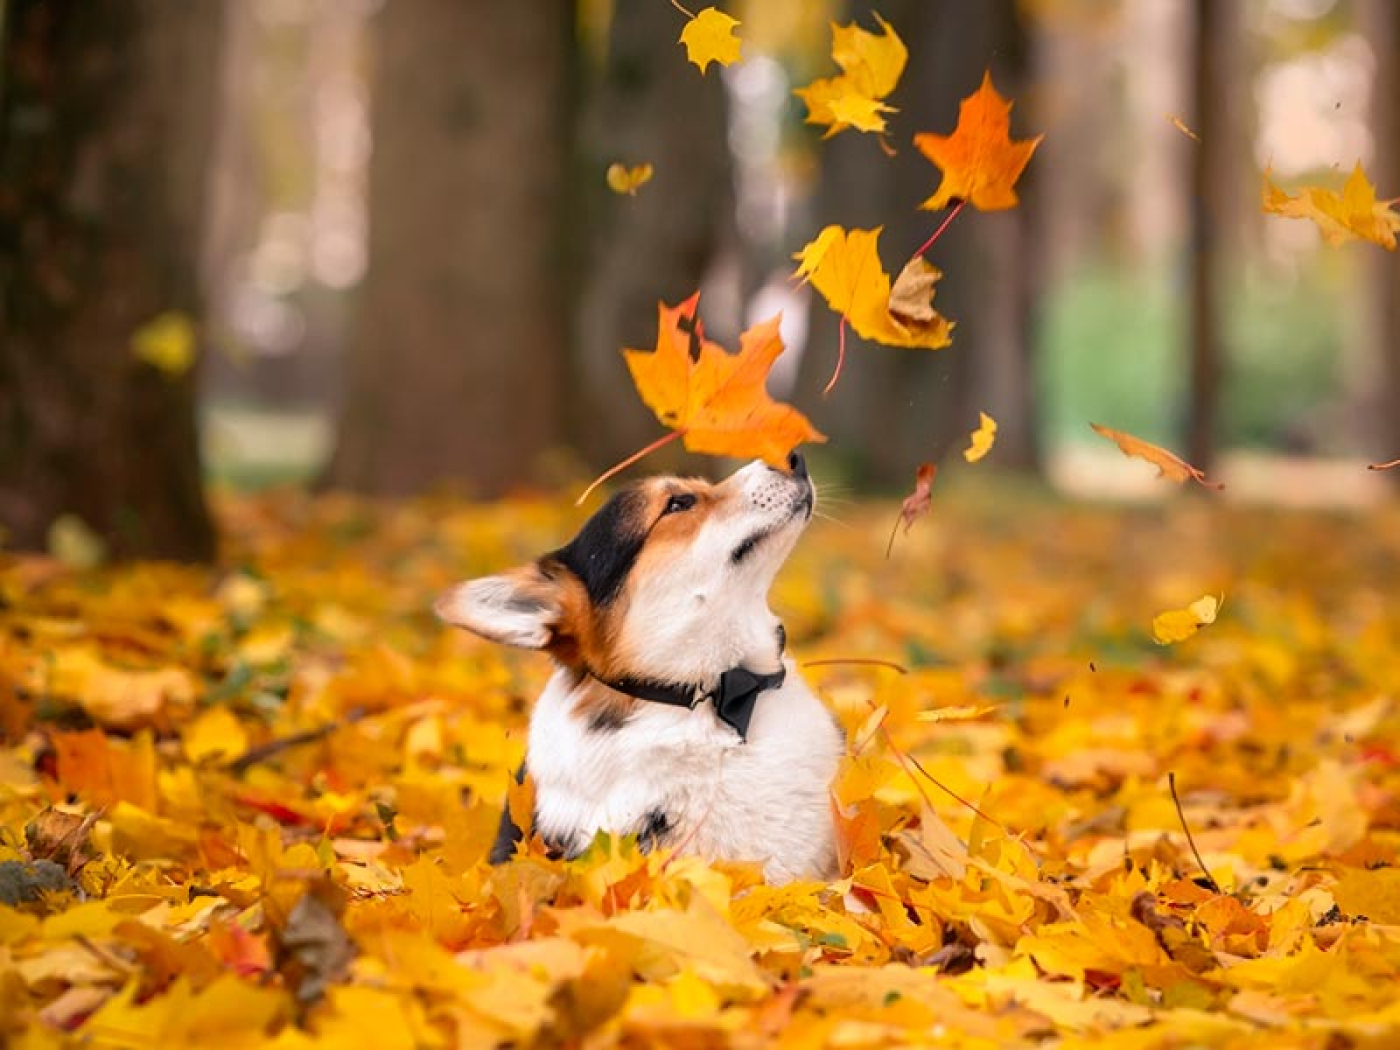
844	267
982	439
1168	465
623	179
714	401
709	37
979	160
916	503
166	343
871	65
1355	214
1176	625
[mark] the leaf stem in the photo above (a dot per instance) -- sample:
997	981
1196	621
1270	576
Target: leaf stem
618	468
948	221
1181	815
840	359
682	10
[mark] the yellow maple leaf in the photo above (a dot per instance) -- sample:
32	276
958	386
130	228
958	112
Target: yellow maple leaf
624	179
1355	214
982	439
166	343
979	160
1176	625
217	733
709	37
871	65
844	267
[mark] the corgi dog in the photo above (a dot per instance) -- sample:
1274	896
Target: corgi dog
672	713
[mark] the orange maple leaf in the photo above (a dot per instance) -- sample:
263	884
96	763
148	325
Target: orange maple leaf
1353	214
979	160
1168	464
714	401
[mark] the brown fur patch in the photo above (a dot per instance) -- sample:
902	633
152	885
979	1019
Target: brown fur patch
587	635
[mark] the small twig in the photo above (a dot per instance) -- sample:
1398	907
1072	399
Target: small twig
1181	815
865	661
945	788
105	957
939	232
272	748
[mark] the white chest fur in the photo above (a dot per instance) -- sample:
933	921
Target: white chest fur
764	798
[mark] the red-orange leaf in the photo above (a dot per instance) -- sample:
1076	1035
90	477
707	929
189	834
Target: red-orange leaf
916	504
1168	464
979	160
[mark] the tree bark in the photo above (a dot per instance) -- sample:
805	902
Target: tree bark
104	129
456	367
645	104
1214	45
897	407
1381	407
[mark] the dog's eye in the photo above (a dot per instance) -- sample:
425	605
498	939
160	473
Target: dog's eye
676	504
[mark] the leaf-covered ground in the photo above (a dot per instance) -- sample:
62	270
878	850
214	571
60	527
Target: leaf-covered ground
173	881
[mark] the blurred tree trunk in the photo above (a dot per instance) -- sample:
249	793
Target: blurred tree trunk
1382	27
1215	49
456	365
646	103
104	129
898	407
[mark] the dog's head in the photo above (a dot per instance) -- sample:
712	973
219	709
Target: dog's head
667	581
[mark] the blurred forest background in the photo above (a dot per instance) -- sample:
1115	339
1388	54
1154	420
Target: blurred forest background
368	244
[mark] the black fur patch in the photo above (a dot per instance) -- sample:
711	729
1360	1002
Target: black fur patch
507	834
746	548
607	720
603	552
654	826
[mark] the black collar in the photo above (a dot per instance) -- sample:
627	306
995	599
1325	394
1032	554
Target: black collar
734	696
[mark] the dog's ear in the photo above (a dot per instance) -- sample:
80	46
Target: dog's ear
520	607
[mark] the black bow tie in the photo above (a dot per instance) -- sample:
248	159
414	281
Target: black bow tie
734	697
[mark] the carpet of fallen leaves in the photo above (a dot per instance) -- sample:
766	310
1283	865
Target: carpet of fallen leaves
1018	873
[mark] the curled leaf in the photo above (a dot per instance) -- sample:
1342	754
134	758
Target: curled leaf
911	298
1168	465
623	179
916	504
1176	625
982	439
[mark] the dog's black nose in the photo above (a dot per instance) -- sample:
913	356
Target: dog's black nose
797	466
